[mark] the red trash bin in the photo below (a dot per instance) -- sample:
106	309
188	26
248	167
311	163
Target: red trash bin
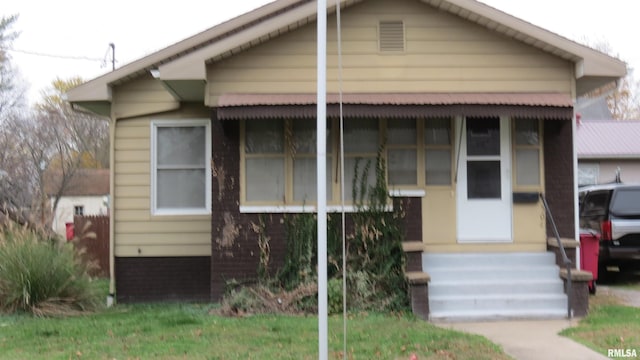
589	251
70	231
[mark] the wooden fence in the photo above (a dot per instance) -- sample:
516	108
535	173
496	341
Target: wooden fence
92	235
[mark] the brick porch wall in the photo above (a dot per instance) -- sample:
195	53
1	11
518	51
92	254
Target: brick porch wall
558	157
234	236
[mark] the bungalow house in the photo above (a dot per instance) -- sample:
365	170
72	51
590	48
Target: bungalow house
607	150
475	108
86	193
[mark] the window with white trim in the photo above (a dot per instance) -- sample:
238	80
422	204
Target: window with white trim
78	210
180	170
588	173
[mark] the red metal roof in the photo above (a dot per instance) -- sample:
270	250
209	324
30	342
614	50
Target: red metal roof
608	139
522	99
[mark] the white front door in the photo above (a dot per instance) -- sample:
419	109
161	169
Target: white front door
484	199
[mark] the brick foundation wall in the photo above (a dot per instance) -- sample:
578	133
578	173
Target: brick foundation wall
154	279
412	208
558	157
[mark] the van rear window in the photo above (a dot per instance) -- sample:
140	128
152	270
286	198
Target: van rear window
626	202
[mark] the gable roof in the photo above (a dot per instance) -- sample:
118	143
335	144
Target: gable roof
608	139
186	60
84	182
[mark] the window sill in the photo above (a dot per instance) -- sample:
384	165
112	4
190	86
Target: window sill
407	193
294	209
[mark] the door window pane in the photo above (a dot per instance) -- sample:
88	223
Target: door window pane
483	180
528	167
402	167
483	136
438	167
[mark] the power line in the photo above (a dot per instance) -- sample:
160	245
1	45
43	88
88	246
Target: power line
57	56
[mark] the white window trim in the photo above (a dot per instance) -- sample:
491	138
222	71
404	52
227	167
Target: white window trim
294	209
155	124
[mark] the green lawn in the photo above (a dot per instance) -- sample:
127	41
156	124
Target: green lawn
609	325
191	332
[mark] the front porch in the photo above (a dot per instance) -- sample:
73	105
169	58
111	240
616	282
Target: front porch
492	286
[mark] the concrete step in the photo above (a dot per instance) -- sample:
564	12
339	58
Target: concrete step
430	260
494	286
496	303
492	273
501	314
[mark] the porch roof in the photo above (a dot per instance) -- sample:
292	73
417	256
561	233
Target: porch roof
398	105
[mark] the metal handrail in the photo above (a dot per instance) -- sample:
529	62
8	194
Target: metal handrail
565	258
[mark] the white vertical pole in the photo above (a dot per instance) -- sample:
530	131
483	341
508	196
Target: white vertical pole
321	130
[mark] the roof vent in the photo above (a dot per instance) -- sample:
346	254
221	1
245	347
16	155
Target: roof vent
391	36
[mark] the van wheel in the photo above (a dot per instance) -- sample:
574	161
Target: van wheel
592	288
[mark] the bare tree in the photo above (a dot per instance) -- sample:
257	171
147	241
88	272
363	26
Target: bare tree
11	91
47	147
14	189
623	100
69	140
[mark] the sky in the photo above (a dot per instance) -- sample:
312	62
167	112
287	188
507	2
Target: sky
66	38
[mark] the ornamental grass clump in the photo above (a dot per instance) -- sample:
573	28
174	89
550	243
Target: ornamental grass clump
42	275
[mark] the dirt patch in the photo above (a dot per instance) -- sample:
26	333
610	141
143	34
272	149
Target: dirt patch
626	296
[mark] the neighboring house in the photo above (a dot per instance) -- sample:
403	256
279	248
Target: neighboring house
476	107
87	193
608	148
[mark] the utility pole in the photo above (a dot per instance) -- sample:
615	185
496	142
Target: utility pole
113	55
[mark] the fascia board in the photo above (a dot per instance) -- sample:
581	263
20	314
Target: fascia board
193	66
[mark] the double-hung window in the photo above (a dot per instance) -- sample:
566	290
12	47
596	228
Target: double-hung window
180	170
527	153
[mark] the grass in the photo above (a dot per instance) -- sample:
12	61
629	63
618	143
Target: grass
609	325
179	331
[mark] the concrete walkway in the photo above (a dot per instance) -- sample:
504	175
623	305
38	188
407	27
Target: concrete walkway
530	339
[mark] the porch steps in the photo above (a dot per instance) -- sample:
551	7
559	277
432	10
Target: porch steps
490	286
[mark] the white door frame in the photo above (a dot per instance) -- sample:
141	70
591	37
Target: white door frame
484	220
